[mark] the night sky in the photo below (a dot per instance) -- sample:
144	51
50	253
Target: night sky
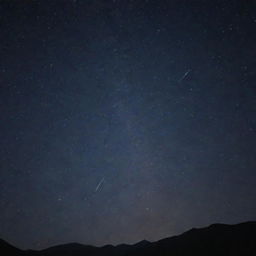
125	120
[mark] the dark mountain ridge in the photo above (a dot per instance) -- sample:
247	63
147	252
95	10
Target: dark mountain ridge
217	239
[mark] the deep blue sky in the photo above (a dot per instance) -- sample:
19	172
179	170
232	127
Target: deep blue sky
125	120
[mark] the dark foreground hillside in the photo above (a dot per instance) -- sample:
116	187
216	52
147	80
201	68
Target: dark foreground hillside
217	240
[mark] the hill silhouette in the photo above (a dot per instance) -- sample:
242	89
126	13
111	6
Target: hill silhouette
217	239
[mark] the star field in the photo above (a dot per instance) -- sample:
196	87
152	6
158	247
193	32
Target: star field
125	120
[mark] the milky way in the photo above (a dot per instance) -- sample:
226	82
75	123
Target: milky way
125	120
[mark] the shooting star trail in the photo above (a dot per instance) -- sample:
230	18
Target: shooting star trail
99	184
181	79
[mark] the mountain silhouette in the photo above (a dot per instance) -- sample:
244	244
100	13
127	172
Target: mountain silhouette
7	249
215	240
